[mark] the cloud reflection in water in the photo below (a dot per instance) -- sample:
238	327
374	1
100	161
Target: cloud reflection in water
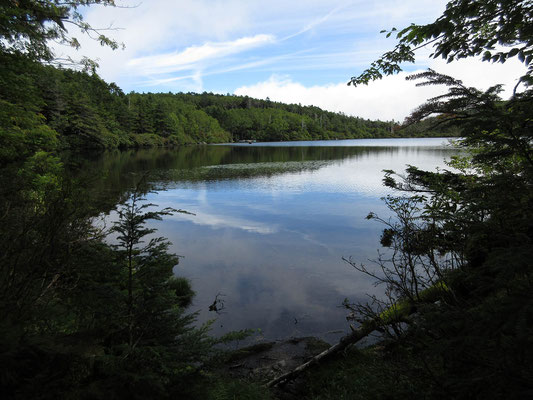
272	243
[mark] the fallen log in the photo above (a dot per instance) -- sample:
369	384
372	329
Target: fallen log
356	335
397	312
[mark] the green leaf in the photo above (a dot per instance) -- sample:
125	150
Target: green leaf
513	52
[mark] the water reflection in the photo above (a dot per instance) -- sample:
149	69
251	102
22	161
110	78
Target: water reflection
384	142
272	223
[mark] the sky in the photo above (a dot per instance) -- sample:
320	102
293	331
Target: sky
298	51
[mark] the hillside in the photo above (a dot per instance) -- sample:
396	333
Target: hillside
49	108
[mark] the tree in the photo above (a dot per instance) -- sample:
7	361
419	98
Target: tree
27	27
495	29
82	318
149	266
467	231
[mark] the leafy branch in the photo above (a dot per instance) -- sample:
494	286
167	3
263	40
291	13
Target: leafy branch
496	30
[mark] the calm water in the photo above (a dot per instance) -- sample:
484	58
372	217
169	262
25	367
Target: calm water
272	224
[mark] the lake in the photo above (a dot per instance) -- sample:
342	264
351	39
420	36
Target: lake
272	223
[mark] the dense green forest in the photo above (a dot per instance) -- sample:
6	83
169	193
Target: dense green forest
50	108
83	318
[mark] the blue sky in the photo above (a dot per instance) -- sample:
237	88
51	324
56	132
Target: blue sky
291	51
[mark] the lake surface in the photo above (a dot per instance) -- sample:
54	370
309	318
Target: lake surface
272	223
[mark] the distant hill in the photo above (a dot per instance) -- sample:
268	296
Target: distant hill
46	107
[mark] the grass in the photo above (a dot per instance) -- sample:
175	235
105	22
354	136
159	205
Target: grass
234	389
365	374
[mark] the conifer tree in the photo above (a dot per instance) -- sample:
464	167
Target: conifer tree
468	229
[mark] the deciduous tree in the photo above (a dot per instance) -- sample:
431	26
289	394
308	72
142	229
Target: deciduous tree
28	27
496	30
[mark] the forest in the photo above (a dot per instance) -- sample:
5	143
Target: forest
87	318
66	109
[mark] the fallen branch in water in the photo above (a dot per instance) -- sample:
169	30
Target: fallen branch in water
396	313
356	335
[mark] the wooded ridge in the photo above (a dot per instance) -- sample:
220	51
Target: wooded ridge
49	108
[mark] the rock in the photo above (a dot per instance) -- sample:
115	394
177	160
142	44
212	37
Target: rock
264	361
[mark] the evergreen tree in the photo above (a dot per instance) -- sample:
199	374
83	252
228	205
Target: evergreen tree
465	235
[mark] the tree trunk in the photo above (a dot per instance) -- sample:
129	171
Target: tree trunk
366	329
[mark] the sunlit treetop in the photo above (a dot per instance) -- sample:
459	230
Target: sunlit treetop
29	26
496	30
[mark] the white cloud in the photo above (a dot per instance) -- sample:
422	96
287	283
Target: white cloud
173	34
482	75
176	45
217	221
157	25
390	98
314	23
153	27
194	56
215	71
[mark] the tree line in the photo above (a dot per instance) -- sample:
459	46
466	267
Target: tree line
86	318
87	310
456	317
44	107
